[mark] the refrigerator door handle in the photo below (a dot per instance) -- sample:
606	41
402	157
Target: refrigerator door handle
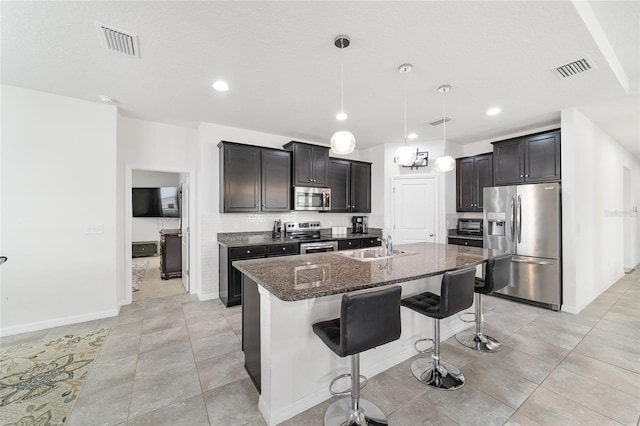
512	212
532	262
519	208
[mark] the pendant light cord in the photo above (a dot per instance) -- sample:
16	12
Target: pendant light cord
405	110
342	77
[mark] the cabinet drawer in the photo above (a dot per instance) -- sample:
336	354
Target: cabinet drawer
370	242
465	242
282	249
349	244
249	251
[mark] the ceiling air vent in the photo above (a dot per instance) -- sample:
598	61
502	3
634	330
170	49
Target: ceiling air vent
118	40
573	68
440	121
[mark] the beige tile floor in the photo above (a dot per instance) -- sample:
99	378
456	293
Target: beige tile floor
153	286
177	361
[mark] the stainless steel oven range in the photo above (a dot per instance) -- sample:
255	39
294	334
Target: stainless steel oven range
318	247
308	233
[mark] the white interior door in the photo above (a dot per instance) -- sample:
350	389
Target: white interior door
414	214
184	228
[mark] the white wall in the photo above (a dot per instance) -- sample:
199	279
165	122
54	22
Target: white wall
148	228
385	155
593	209
151	146
58	178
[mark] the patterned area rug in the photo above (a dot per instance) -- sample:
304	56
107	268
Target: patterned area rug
40	381
138	268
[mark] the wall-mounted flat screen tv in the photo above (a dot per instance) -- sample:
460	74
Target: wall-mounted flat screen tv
155	202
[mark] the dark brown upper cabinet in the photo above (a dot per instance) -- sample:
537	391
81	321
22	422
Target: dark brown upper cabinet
254	179
350	183
473	174
528	159
310	164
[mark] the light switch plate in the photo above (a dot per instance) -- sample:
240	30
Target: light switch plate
94	229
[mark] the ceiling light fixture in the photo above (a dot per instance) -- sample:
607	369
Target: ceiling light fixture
412	136
343	141
493	111
105	99
444	163
221	86
405	155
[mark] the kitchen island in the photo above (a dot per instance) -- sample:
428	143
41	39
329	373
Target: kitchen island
283	297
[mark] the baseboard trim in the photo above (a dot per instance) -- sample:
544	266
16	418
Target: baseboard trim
58	322
208	296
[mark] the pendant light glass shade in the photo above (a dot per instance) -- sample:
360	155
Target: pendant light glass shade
343	142
406	155
445	163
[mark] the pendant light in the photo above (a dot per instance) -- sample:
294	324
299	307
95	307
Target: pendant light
405	155
343	141
444	163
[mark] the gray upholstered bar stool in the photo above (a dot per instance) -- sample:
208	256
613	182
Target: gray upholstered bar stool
368	318
456	294
496	276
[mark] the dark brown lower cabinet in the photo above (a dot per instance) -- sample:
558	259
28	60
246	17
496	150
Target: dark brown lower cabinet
251	329
230	279
461	241
170	254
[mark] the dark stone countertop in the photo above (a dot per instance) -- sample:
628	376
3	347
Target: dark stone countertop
241	239
308	276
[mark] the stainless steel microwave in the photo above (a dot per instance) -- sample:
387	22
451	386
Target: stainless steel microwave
318	199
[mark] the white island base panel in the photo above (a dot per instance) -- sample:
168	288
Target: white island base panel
297	367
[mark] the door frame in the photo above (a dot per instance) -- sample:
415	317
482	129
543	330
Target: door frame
436	181
194	282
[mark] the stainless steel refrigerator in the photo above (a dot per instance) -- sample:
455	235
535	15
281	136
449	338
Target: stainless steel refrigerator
525	220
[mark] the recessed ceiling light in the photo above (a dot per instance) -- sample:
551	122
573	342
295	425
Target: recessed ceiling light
412	135
341	116
493	111
221	86
105	99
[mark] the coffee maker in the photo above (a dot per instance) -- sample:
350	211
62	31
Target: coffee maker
360	224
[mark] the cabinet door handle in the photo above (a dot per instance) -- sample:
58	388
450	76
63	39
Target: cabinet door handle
521	175
431	235
466	243
284	248
526	175
248	251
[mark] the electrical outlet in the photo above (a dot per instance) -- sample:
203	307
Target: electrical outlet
94	229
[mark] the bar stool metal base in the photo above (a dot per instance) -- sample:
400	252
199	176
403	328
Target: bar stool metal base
444	377
340	413
478	341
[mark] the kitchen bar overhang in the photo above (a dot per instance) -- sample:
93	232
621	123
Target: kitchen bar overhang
283	297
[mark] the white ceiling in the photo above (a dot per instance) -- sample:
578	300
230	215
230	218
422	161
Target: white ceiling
284	70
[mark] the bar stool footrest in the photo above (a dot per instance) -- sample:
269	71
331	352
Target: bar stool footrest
425	351
462	318
364	381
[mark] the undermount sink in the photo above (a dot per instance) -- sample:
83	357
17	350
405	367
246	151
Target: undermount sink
373	253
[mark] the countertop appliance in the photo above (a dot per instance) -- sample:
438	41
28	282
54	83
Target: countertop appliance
470	227
305	198
360	224
525	220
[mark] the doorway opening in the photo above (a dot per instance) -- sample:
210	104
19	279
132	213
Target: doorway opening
157	233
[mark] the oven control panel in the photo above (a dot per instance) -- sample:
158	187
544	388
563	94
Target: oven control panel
301	226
